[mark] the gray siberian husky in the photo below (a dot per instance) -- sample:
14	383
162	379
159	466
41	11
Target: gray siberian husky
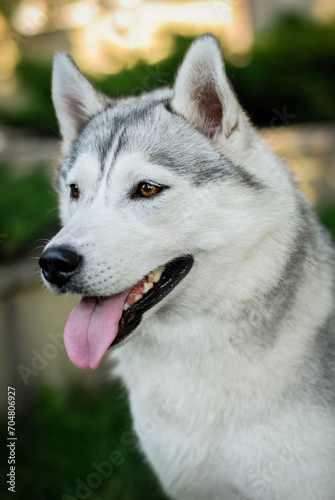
205	271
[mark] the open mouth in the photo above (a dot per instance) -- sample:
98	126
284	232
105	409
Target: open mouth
148	292
95	324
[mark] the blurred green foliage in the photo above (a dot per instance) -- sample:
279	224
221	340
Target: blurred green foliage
35	110
71	434
327	216
292	65
28	209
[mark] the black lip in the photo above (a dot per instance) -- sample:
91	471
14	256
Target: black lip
174	272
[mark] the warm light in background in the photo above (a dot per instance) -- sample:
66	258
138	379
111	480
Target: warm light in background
129	4
30	18
138	29
109	38
78	14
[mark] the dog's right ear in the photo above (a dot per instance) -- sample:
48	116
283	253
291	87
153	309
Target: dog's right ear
74	97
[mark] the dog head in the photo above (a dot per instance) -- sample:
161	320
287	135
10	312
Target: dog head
150	188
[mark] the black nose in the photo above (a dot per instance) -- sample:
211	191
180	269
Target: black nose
59	264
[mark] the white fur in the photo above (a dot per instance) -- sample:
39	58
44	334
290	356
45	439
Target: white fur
75	99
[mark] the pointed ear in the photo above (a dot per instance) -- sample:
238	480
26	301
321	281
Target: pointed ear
74	97
202	91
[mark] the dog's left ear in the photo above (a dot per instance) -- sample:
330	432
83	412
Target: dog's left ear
74	97
203	94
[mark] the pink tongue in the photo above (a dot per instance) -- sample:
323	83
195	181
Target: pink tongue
91	328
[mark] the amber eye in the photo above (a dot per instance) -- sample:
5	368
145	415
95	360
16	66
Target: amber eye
74	191
146	189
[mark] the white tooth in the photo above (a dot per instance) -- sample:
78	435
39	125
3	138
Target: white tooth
138	297
147	286
155	276
126	306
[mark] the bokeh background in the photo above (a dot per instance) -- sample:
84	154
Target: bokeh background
74	437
